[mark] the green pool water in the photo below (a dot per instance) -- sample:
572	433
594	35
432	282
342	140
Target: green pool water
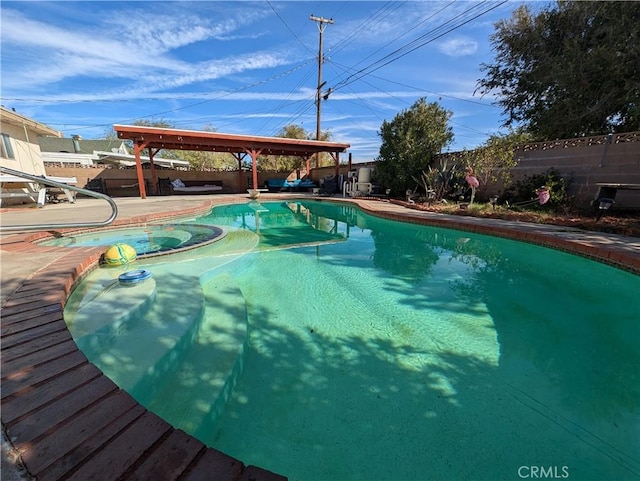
323	343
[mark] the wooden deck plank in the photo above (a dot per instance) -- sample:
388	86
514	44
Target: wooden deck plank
36	299
76	440
169	460
84	452
17	406
27	324
15	314
252	473
47	418
24	379
32	286
28	356
11	354
8	341
214	466
124	450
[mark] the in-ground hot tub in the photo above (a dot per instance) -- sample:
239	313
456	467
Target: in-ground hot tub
148	240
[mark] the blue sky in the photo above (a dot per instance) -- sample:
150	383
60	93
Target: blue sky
249	67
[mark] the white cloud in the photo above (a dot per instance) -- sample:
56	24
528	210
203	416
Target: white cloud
458	47
129	51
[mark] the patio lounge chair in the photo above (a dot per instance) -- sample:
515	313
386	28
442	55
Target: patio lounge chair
298	185
177	186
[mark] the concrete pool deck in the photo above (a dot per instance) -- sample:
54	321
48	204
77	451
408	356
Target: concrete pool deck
66	420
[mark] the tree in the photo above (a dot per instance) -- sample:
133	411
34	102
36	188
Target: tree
492	162
285	163
205	160
409	142
569	71
288	163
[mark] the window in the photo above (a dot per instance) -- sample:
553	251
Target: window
6	150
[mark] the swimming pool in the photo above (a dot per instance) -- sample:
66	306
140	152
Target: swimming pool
147	241
323	343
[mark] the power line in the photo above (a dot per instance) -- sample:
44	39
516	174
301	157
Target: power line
414	45
364	27
289	28
405	33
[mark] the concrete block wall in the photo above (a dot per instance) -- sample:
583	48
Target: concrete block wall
587	161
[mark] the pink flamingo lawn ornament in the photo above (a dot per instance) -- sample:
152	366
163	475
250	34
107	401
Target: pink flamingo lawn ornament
543	195
472	181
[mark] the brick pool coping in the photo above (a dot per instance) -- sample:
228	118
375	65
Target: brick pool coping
67	420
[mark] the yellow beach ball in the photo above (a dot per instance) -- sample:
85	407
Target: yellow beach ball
119	255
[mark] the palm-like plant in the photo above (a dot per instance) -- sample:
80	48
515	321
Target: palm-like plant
438	181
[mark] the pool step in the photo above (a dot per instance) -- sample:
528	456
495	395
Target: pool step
234	245
140	351
110	307
192	398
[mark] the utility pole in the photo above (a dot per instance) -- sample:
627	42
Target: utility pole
322	24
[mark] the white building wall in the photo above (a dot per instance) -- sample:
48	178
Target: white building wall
25	148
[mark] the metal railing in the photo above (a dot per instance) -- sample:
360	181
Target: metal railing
60	185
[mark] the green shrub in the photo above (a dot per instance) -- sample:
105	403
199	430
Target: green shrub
525	190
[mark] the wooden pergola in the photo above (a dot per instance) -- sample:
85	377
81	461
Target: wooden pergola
155	139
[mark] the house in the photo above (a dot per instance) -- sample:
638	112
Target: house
79	152
20	148
20	151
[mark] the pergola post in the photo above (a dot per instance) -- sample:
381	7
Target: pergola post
308	164
137	148
254	153
239	156
154	175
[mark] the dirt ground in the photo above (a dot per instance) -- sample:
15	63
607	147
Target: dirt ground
613	222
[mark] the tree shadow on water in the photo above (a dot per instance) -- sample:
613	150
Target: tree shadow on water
314	406
315	403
